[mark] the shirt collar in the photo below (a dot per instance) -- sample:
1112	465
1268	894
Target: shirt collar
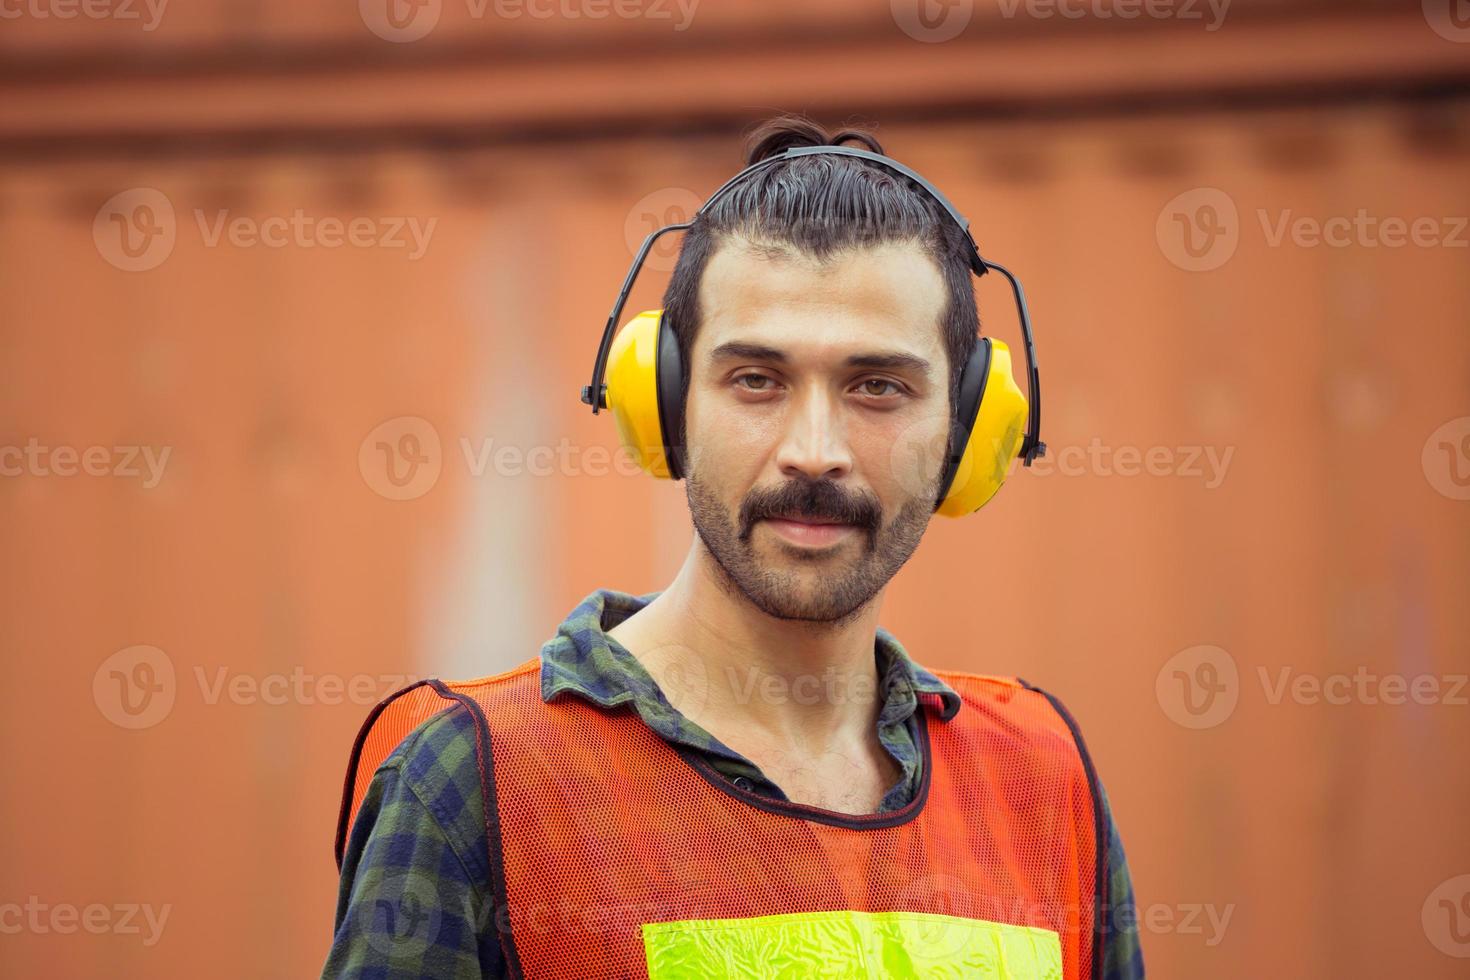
583	660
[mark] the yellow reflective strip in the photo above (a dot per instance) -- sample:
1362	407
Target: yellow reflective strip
851	944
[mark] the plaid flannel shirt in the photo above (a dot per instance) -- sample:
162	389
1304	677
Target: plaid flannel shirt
423	816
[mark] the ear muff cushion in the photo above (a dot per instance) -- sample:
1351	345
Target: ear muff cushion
670	397
633	391
994	438
967	406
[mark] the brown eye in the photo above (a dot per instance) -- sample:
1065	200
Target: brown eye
758	377
878	381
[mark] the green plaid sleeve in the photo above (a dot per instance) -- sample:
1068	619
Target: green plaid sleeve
413	901
1122	955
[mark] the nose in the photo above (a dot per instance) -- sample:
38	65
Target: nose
814	441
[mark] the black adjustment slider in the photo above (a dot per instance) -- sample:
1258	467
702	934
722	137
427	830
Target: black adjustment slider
587	396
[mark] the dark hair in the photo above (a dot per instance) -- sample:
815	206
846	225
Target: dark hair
823	205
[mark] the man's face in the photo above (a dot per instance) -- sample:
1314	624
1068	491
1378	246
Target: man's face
818	392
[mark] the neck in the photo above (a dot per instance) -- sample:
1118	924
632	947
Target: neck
793	681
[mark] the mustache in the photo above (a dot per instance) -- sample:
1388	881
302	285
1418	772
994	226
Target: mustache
812	499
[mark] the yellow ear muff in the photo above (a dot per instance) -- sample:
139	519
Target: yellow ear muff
995	439
632	391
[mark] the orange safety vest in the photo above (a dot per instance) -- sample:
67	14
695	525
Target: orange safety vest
616	854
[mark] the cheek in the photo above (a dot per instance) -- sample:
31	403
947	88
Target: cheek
728	450
905	459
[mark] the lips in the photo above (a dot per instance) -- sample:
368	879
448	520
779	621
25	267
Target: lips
810	533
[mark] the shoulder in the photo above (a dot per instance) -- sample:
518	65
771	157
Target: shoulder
1016	712
420	834
1031	739
434	773
436	765
430	756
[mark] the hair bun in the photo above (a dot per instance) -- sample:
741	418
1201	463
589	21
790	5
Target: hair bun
776	136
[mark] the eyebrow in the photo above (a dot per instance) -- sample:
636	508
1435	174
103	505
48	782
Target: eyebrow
894	360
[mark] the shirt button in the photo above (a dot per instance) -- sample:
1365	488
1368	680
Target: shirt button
742	782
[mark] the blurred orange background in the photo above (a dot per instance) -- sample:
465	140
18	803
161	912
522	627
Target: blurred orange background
296	300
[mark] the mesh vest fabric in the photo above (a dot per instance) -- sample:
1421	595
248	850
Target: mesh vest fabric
614	853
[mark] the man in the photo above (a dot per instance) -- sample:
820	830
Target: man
744	774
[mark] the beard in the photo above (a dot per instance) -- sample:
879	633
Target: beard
829	586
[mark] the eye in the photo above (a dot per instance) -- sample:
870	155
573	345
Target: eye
765	385
867	390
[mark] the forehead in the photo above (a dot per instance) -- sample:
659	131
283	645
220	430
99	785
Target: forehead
890	296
